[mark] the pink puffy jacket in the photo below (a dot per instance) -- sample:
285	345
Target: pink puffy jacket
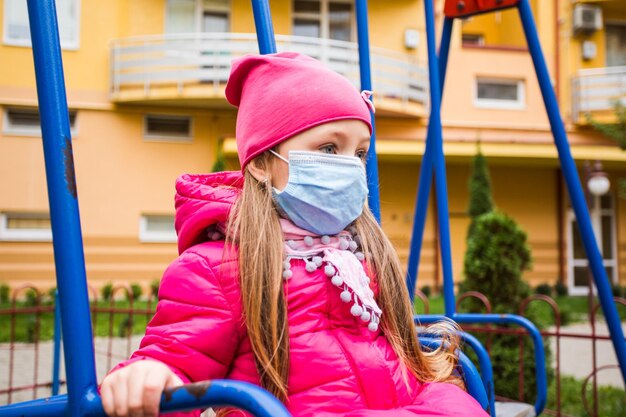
337	366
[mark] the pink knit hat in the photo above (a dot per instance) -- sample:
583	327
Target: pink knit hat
281	95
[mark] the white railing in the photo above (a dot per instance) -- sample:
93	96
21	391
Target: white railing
180	60
597	89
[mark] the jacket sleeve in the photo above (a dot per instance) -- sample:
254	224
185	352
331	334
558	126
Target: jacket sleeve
194	330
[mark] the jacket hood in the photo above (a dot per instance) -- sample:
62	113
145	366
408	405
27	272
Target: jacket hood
203	201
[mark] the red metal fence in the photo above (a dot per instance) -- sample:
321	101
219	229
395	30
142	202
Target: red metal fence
26	347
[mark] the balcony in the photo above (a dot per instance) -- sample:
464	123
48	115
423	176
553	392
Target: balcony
192	69
595	92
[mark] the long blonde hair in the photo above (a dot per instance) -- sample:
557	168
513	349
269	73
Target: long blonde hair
254	229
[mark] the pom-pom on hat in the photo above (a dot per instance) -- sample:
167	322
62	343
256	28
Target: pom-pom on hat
280	95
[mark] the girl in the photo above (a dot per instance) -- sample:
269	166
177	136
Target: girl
284	278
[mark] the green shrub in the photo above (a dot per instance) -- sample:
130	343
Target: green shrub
31	329
496	257
560	289
5	292
220	163
49	296
107	291
617	290
31	297
544	289
136	291
154	288
125	327
426	290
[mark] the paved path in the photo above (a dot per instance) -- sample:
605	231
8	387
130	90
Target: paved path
576	357
575	361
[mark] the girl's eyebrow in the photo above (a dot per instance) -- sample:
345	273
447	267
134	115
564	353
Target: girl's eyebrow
342	135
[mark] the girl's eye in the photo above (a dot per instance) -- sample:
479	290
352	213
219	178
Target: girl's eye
328	149
362	155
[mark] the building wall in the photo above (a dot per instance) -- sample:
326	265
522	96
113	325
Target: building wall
121	176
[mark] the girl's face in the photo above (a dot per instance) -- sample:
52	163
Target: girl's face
349	137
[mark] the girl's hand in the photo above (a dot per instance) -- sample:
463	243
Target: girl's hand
135	390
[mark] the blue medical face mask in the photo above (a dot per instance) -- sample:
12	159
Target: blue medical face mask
324	193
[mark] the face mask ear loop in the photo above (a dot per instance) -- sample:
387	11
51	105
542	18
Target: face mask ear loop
279	156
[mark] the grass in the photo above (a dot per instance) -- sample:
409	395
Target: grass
25	323
611	401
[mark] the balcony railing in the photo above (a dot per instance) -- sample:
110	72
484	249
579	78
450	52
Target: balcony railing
597	90
150	63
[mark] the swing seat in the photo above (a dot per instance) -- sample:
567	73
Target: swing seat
514	409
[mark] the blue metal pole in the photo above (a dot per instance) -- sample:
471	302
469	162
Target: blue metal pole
366	84
213	393
68	249
573	186
56	355
540	361
439	162
44	407
471	377
195	396
426	173
486	371
264	27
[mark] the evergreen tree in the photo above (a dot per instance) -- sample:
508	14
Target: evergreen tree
220	163
480	198
497	255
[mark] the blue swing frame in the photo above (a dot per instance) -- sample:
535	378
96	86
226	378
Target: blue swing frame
433	163
83	399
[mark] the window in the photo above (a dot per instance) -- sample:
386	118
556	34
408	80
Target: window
25	121
185	16
24	226
215	16
331	19
17	28
615	44
499	93
157	228
473	39
602	214
162	127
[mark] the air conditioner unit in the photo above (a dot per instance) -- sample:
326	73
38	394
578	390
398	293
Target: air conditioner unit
587	18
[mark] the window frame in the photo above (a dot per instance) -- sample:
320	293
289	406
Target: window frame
148	236
164	137
22	235
9	130
480	40
68	45
324	18
486	103
198	17
614	23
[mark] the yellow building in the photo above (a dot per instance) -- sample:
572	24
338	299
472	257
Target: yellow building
145	81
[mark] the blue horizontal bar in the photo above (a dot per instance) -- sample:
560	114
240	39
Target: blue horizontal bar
215	393
540	364
472	379
200	395
55	406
